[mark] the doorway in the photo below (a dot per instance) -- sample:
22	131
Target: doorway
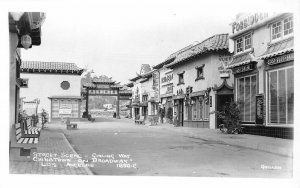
221	101
180	113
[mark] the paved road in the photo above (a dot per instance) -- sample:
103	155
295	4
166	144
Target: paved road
160	152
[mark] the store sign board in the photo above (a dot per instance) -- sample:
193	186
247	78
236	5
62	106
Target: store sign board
259	109
248	20
65	109
155	85
223	71
280	59
242	69
167	79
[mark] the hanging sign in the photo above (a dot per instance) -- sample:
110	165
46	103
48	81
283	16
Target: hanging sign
259	109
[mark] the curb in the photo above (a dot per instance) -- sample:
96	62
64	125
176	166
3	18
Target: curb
88	171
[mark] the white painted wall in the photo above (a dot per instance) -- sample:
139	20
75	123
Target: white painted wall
42	86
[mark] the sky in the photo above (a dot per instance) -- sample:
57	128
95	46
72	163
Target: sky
115	39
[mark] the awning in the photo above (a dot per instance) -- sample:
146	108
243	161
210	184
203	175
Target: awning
279	48
198	93
65	97
239	60
176	97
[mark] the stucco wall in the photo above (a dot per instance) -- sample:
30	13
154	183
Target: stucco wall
42	86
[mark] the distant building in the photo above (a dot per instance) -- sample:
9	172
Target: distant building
263	68
56	85
145	93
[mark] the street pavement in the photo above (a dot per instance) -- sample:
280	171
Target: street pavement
120	147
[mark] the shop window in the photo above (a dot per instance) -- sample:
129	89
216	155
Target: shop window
200	110
243	43
281	96
282	28
246	92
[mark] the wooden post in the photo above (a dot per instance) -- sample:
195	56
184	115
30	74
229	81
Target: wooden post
118	103
87	102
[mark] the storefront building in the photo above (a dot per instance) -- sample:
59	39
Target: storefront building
24	32
202	84
145	93
263	68
56	85
166	85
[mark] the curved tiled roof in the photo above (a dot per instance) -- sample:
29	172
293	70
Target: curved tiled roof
214	43
52	67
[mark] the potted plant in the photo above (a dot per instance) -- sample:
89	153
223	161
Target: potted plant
230	114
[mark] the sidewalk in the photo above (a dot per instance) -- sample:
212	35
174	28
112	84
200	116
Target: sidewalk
55	156
267	144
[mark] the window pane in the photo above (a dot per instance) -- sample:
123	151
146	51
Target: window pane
288	25
282	96
239	45
273	98
247	99
253	94
276	30
241	96
247	41
290	94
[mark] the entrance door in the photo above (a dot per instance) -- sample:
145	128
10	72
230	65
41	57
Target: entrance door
221	101
180	113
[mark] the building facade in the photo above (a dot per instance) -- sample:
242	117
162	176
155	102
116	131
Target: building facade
145	93
56	85
263	68
202	84
20	24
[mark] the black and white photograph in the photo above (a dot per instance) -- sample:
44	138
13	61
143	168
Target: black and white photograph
150	89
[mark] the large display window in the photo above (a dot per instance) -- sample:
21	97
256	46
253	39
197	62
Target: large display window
281	96
246	92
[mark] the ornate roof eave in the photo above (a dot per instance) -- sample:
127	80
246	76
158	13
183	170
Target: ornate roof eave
178	63
224	84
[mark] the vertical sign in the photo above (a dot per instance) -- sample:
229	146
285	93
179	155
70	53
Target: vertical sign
155	85
259	109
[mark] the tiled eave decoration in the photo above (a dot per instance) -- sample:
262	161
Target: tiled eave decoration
212	44
241	59
279	48
50	67
51	71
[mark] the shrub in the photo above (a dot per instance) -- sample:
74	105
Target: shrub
230	114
